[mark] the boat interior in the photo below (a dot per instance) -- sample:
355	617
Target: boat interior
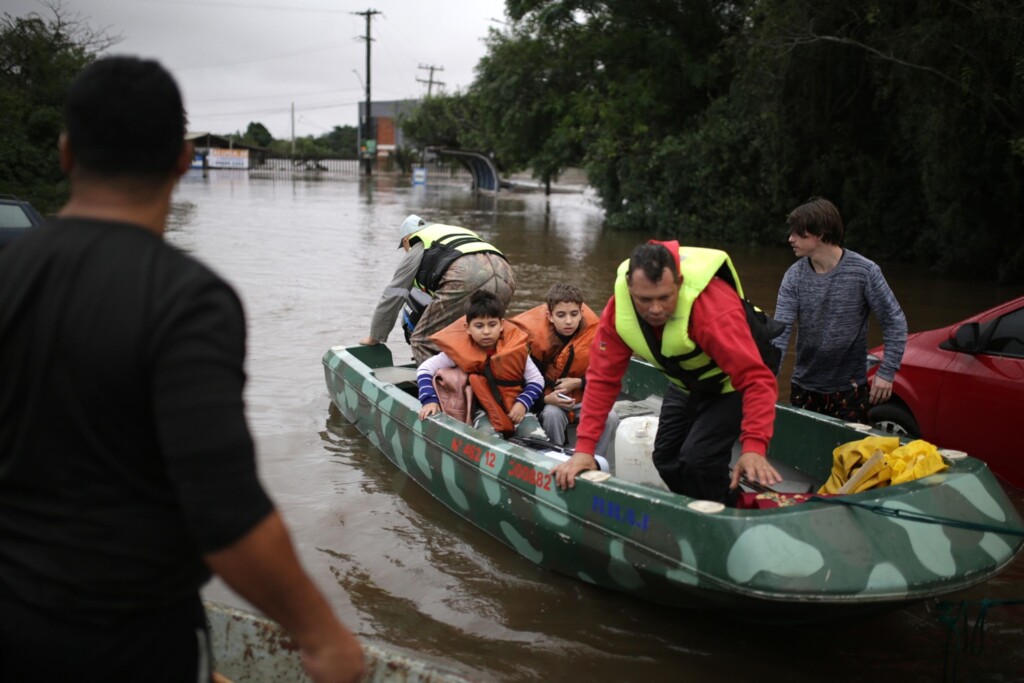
629	457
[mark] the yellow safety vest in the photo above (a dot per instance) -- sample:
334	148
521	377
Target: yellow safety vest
442	245
678	356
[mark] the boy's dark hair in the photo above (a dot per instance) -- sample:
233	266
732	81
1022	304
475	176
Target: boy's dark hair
653	259
563	292
819	217
484	304
124	117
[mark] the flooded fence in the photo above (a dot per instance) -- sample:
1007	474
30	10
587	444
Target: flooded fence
304	165
316	167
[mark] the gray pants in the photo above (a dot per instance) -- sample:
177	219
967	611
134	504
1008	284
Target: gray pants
464	276
528	428
555	421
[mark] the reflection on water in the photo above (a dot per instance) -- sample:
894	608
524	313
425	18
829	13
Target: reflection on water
309	260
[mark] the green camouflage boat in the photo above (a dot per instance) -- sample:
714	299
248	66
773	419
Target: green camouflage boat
826	557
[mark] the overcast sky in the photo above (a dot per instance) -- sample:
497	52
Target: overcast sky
238	61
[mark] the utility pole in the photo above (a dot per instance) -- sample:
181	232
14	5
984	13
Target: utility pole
369	141
430	83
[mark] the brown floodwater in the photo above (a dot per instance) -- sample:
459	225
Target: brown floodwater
309	259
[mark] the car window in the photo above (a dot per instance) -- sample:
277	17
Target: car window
13	216
1008	337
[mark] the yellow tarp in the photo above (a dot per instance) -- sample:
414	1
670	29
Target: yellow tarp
900	464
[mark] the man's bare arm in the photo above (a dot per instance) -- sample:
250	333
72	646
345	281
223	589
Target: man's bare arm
263	568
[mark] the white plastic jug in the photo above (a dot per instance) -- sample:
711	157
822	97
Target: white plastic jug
634	443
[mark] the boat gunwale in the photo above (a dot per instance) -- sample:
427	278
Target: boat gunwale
658	499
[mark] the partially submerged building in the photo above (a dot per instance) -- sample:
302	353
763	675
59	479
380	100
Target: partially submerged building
218	151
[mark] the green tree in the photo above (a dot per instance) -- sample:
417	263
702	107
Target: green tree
710	119
258	135
39	57
908	114
600	82
525	103
446	121
342	142
339	143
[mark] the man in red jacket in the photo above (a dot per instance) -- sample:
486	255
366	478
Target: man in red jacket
680	309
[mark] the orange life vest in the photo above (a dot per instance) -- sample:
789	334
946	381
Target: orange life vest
505	367
554	358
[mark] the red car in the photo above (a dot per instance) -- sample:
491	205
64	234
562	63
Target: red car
962	387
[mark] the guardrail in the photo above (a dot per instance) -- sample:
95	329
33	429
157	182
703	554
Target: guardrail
313	166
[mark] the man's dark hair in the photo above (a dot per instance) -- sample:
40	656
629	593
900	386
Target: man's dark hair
484	304
818	216
563	292
124	117
653	259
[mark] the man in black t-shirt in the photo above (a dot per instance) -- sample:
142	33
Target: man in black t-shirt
127	470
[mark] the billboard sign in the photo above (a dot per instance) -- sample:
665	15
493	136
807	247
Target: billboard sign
228	158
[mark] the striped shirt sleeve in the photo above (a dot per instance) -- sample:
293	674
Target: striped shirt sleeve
425	376
534	385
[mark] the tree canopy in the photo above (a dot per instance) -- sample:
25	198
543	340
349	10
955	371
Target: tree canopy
257	134
710	120
39	57
338	143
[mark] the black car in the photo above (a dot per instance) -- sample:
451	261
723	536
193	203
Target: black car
16	216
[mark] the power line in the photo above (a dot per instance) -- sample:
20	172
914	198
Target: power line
232	5
270	97
280	55
275	110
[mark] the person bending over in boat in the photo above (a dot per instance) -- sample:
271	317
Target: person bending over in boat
679	308
127	470
830	294
495	353
448	263
561	331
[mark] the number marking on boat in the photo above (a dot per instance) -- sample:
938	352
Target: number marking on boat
541	480
474	453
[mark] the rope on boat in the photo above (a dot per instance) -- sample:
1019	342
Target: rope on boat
921	517
950	614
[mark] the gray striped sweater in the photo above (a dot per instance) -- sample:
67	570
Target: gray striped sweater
831	314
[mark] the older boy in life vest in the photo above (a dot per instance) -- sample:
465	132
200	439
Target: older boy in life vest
561	331
495	353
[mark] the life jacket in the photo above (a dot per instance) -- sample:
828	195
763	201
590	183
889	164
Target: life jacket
555	358
496	379
443	244
677	355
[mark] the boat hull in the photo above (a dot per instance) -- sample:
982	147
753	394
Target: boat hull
654	545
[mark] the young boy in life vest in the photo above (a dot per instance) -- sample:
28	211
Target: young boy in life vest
495	353
561	331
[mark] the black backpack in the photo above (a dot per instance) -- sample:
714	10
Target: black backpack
764	328
416	301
